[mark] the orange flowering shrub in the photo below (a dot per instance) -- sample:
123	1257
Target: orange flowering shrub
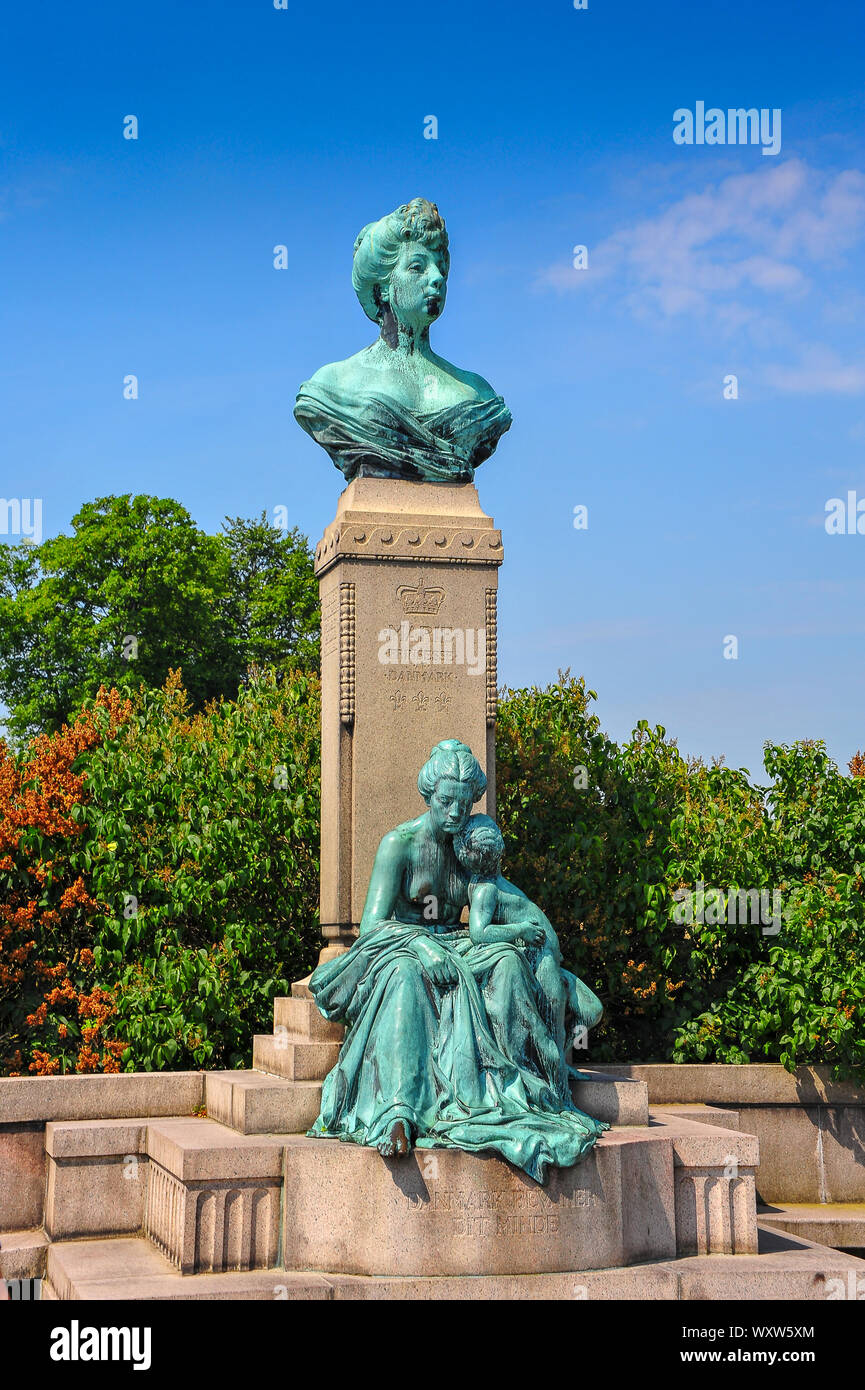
54	1017
158	878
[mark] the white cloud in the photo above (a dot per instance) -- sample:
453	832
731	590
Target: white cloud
742	257
760	231
818	372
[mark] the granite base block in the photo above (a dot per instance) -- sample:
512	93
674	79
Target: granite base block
22	1165
97	1177
213	1197
444	1211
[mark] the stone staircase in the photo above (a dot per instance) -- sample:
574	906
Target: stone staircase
241	1204
303	1046
282	1092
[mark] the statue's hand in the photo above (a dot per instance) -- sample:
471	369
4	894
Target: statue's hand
533	936
436	962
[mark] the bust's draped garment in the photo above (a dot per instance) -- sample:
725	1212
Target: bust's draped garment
474	1065
377	437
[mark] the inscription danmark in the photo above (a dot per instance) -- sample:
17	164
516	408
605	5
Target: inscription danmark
503	1212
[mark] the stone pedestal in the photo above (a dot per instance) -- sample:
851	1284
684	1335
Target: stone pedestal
652	1192
407	575
444	1211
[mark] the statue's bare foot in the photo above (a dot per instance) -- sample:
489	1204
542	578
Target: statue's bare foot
398	1142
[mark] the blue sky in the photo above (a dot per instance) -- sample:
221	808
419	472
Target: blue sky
260	126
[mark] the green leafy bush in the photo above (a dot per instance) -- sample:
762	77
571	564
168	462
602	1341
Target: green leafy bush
202	844
802	998
54	1015
802	1003
609	839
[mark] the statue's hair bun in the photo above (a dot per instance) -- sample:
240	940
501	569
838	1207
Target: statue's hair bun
455	760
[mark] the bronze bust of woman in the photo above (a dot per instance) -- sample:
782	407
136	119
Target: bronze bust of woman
396	409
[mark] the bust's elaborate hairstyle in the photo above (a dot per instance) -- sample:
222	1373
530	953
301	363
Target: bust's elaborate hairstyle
377	248
453	759
479	846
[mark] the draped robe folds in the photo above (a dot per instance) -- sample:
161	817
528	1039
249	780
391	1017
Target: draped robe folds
379	437
471	1066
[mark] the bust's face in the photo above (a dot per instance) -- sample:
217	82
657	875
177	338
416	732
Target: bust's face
417	286
450	805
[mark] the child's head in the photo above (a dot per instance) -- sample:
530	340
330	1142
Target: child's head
479	847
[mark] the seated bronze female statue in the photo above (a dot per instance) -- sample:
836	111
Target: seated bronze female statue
450	1042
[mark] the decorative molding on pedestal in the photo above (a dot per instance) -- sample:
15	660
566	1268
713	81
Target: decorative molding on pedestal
213	1197
449	545
492	657
716	1194
209	1227
716	1213
346	651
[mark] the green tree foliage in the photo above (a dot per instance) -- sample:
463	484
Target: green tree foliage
802	996
604	836
160	872
202	847
139	568
273	598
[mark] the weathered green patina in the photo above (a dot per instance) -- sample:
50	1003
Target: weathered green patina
454	1038
397	409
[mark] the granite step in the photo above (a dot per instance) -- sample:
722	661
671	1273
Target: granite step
301	1018
255	1102
129	1268
703	1114
292	1056
22	1254
785	1269
840	1225
615	1099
